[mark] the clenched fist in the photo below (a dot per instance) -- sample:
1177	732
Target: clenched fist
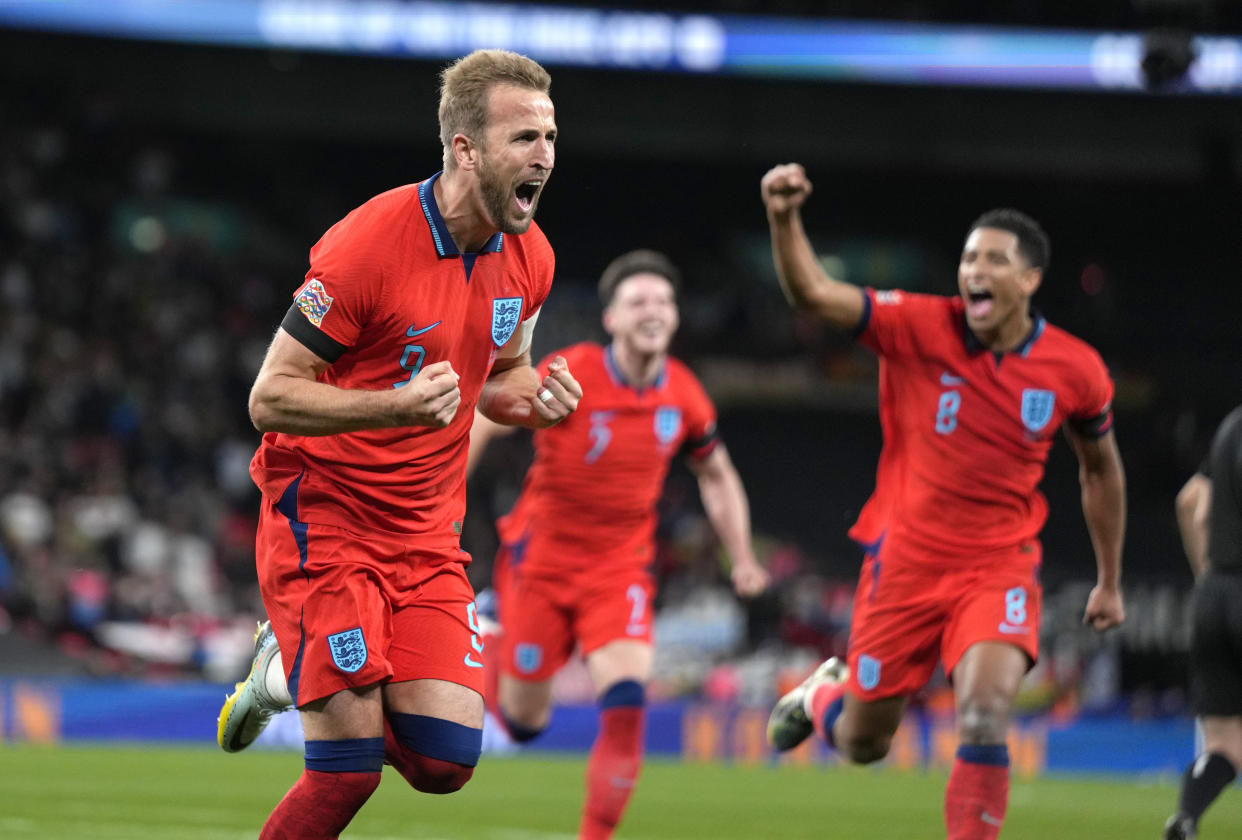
785	188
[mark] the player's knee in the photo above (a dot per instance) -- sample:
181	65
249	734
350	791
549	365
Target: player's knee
864	748
433	775
521	732
982	719
623	694
434	755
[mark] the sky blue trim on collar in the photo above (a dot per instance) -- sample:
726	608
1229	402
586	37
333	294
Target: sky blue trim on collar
445	246
1024	348
614	373
974	345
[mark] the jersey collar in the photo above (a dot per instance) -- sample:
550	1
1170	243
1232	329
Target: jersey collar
445	246
974	345
618	378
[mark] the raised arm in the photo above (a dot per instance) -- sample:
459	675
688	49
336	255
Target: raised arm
1103	484
728	510
807	286
1193	505
287	396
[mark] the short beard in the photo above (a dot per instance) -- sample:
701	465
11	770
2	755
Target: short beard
496	198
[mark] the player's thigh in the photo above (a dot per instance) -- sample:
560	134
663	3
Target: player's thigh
989	673
528	702
615	609
323	591
895	631
869	720
345	715
436	698
1002	604
436	643
621	659
537	636
1215	636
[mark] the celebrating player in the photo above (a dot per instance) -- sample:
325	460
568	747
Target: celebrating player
572	570
1209	515
973	389
417	306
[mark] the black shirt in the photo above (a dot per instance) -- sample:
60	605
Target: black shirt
1224	467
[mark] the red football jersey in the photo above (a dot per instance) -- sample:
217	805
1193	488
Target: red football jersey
590	495
967	431
387	293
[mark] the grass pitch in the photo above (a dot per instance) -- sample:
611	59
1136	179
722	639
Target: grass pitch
136	793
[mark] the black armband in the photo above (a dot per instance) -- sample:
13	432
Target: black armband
316	340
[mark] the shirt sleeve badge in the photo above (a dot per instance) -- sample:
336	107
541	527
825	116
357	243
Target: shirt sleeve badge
314	302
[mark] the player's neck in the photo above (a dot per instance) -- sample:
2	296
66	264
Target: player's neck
1010	335
639	370
463	212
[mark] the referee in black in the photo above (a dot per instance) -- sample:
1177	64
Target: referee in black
1209	516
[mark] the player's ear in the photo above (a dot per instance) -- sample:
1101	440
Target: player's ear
608	320
1030	280
465	152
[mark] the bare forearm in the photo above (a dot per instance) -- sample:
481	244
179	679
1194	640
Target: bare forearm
1193	507
507	394
805	283
728	511
1104	508
796	266
1194	542
293	405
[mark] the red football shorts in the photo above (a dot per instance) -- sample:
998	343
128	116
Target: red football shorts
544	618
351	610
910	616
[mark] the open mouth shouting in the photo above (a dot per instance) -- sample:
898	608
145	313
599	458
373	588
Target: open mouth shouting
527	194
979	301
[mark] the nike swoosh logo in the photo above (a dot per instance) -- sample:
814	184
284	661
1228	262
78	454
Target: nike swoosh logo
1011	628
950	379
471	662
990	820
411	332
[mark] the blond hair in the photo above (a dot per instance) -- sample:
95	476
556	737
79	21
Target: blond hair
464	88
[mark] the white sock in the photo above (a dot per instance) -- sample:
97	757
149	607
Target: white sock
274	681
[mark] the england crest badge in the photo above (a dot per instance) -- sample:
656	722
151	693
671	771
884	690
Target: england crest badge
349	650
528	657
868	671
667	424
1037	405
505	315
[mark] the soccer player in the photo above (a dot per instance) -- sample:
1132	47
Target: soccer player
1209	516
572	569
418	306
973	389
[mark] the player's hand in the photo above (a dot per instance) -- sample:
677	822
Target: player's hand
431	398
785	188
749	579
557	397
1104	608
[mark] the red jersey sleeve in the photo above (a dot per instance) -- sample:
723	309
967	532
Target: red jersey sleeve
700	414
1092	415
343	283
897	323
